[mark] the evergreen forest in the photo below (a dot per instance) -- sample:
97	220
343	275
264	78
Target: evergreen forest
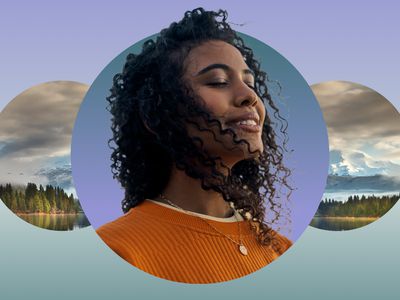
34	199
356	206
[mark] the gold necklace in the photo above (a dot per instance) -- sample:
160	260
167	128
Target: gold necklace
242	248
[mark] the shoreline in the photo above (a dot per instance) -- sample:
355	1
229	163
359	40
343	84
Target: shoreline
47	214
348	218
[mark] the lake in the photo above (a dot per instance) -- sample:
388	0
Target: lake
61	222
340	223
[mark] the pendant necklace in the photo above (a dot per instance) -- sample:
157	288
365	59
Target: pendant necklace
242	248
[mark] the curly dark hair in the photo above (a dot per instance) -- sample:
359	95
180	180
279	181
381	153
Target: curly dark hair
149	124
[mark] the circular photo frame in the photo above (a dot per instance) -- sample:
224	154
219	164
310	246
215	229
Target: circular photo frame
364	137
35	140
191	210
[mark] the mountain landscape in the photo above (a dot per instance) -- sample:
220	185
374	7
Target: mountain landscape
364	158
381	183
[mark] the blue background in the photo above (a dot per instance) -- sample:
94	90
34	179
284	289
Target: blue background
43	41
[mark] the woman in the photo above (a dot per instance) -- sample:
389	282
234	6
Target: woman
196	154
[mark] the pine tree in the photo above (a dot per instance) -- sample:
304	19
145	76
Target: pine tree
46	206
14	203
21	202
38	204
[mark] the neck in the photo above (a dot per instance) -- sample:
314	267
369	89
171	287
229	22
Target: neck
187	193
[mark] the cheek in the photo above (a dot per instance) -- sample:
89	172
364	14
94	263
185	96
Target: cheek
215	102
216	109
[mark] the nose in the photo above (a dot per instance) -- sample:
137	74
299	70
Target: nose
245	95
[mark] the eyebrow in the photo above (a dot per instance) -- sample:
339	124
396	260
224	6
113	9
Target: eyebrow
223	67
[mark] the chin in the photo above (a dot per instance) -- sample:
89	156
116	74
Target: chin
248	155
243	153
256	148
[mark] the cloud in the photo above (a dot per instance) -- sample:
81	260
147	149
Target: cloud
59	176
36	128
335	156
39	121
387	167
337	165
357	163
332	88
390	146
359	120
354	111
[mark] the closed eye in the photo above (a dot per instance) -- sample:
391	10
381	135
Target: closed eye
218	83
225	83
251	86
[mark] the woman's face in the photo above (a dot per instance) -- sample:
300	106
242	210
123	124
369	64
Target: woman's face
218	74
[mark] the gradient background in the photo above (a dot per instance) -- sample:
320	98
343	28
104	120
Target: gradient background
101	195
356	41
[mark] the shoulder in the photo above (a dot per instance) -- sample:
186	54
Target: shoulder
114	232
116	223
279	242
114	227
126	227
125	235
139	228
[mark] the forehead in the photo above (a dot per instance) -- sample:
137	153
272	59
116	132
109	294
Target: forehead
214	52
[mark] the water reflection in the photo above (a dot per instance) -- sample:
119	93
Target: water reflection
339	224
61	222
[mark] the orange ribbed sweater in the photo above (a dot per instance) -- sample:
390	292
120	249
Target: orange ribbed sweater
180	247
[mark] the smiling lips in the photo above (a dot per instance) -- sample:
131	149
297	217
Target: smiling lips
249	122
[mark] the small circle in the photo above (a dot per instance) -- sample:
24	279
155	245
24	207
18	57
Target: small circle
35	138
364	141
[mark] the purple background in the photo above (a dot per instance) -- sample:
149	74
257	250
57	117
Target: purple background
50	40
101	196
329	40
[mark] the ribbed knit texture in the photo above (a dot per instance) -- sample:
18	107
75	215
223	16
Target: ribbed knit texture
180	247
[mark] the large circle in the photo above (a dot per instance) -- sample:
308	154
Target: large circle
101	195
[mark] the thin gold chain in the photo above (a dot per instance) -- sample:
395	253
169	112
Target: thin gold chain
240	243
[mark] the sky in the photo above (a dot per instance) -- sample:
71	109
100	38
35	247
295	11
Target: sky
363	129
35	134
